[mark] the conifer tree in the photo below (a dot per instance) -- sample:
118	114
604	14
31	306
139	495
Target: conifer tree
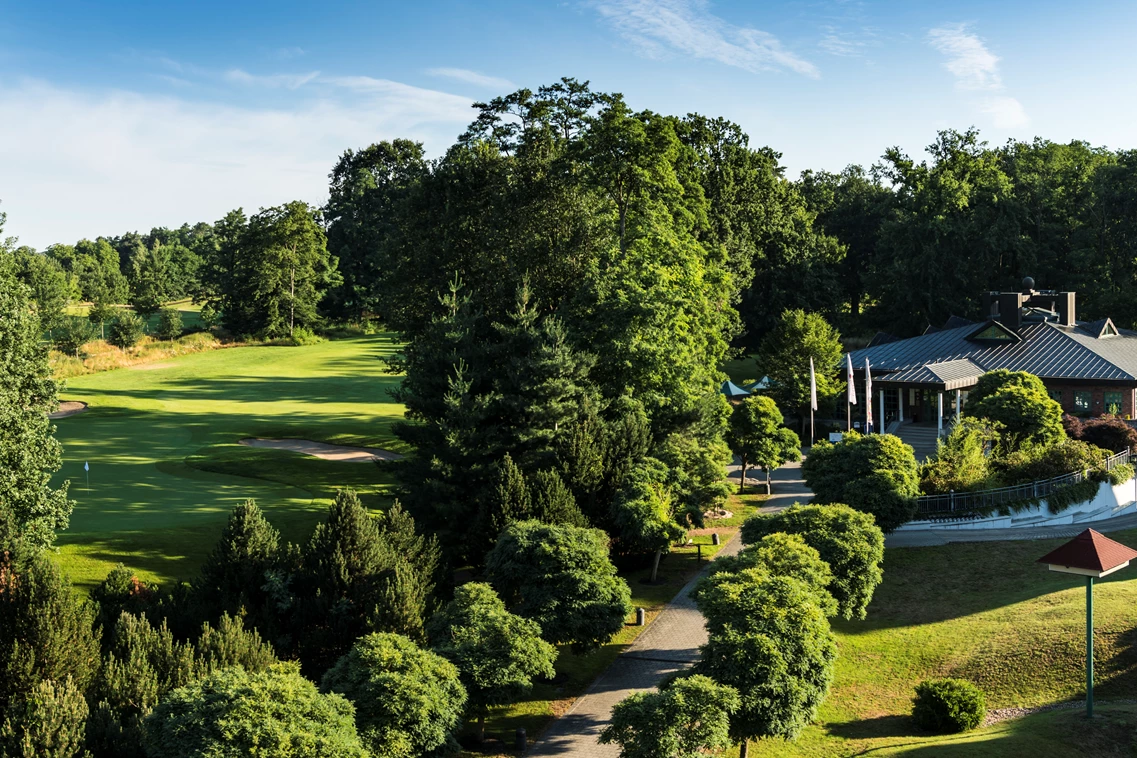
29	454
352	581
508	501
551	502
48	722
121	591
47	632
233	576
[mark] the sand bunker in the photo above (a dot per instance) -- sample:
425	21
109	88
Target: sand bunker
152	366
68	408
323	450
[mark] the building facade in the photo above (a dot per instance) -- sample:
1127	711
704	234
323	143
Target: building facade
1090	368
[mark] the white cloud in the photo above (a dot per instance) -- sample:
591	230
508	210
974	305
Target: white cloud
976	69
973	65
80	164
1006	112
288	81
687	26
473	77
846	44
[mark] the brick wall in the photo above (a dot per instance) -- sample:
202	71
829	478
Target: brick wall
1097	398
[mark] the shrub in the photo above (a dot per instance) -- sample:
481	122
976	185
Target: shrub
125	330
70	336
302	335
271	714
1034	463
169	324
961	461
210	316
408	701
688	717
948	705
1109	432
875	474
1120	474
1000	379
844	538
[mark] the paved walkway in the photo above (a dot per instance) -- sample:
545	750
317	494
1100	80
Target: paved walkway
930	537
669	644
788	485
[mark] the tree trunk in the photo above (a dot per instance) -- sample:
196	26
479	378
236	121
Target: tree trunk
744	749
481	729
742	479
769	490
655	565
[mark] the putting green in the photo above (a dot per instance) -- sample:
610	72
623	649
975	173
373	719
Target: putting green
165	466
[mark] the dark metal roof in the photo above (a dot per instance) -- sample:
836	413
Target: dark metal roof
882	338
1090	551
1047	349
951	375
954	322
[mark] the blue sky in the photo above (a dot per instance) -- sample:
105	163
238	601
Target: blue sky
125	115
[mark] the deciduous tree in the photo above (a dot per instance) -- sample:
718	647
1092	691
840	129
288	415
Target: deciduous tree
687	718
758	437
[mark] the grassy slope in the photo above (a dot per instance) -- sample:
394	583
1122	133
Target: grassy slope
165	467
982	611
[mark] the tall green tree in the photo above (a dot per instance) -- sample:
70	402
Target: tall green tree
769	640
408	701
848	540
785	355
274	714
686	719
47	723
29	453
758	437
562	578
234	575
875	473
498	654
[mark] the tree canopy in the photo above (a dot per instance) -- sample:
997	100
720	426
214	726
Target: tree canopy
875	473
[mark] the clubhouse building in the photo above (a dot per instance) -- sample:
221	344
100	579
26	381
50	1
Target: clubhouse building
1090	368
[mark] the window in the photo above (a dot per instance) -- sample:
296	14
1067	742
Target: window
994	334
1082	401
1113	403
1055	395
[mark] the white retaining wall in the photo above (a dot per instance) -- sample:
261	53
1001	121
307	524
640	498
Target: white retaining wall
1110	501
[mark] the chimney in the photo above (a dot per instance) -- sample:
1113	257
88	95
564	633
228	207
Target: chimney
990	305
1064	304
1010	309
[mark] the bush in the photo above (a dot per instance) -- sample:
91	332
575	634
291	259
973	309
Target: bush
1109	432
272	714
302	335
1120	474
169	324
72	334
948	705
1028	416
125	330
961	460
210	316
1000	379
47	723
1034	463
875	474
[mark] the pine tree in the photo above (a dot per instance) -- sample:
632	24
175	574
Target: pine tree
46	723
353	581
46	630
508	501
29	454
121	591
551	502
233	576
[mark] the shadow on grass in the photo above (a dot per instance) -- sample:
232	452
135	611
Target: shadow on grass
874	728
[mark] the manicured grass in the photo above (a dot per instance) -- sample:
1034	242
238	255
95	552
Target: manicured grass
161	440
742	370
191	313
985	612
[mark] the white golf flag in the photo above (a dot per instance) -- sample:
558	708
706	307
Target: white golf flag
86	466
868	395
852	390
812	386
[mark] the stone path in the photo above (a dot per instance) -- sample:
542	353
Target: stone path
669	644
788	485
931	537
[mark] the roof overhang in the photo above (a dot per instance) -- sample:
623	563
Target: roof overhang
1091	554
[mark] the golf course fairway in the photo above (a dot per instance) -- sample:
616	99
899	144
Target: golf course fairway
161	440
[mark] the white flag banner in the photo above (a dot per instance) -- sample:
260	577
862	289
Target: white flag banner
86	466
852	390
868	395
812	386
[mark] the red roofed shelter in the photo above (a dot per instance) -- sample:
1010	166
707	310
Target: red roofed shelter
1092	555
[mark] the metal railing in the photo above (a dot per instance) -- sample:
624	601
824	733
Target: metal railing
961	503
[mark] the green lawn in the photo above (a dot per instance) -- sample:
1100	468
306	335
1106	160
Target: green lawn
985	612
191	313
161	440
